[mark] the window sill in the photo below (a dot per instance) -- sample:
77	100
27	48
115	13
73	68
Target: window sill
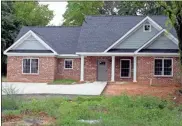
125	77
164	76
68	68
30	73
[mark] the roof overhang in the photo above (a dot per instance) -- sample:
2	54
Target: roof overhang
30	54
127	54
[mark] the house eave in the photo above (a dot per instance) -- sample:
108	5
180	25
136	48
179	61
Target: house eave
30	54
126	54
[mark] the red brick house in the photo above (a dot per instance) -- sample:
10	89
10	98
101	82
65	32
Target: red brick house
104	48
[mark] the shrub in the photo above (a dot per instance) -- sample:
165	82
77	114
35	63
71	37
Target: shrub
9	100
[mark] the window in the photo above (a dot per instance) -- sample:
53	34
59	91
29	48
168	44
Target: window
30	66
163	67
125	67
147	28
68	64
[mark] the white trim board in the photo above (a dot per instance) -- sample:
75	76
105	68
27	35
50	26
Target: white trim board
30	67
129	68
154	24
127	54
30	54
24	37
163	68
71	64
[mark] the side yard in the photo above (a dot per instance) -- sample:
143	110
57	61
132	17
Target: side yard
98	110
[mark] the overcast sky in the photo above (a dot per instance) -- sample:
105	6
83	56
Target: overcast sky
59	8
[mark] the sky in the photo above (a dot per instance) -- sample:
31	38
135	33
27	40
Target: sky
59	8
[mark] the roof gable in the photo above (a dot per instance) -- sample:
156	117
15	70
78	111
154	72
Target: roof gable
137	38
23	39
131	31
162	42
31	43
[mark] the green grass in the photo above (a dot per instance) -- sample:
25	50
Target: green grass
63	81
112	111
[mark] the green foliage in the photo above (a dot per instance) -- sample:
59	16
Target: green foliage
14	15
115	111
64	81
11	112
139	8
174	12
76	11
32	13
10	101
9	29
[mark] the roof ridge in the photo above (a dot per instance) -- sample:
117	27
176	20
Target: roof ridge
52	26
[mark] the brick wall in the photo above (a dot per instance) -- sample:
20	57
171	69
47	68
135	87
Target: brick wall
91	67
47	70
51	68
145	72
68	73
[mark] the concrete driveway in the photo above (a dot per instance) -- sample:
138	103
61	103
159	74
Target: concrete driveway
94	88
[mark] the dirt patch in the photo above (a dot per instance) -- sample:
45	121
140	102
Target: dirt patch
27	119
177	96
140	89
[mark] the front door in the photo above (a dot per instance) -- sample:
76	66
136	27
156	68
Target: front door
101	70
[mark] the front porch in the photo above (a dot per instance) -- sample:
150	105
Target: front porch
108	68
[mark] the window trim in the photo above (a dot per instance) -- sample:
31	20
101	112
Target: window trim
30	67
65	63
129	68
163	68
149	29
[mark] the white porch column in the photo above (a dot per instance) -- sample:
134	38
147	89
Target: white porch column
134	69
82	69
113	69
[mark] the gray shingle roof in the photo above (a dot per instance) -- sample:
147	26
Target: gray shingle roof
100	32
63	40
95	35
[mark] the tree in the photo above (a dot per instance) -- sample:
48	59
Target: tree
17	14
76	11
9	29
32	13
138	8
173	10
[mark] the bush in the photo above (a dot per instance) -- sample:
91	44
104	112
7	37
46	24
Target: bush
10	101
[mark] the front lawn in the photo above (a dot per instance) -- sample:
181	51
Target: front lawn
109	111
63	81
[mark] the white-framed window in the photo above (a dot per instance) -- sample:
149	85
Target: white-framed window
163	67
125	68
68	64
30	66
147	27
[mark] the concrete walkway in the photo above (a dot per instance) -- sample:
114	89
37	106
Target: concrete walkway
94	88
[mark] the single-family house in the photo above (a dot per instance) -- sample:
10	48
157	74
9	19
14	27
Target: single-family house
105	48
